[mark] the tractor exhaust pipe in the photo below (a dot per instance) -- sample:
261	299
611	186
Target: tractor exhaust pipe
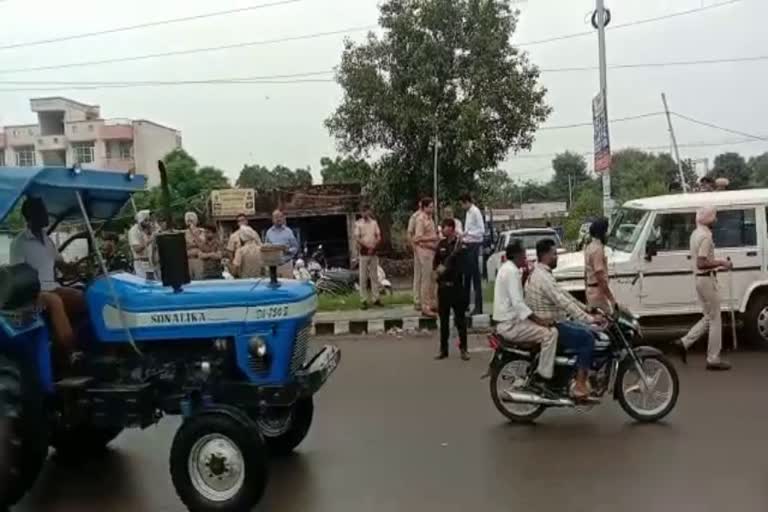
523	397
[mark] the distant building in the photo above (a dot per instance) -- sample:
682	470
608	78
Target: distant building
69	132
528	215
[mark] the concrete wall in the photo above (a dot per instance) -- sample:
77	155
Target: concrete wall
151	142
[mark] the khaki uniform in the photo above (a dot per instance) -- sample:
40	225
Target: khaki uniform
425	256
367	234
247	260
194	238
416	267
234	243
595	261
702	245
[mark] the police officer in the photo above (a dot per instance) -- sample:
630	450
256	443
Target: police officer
705	268
450	290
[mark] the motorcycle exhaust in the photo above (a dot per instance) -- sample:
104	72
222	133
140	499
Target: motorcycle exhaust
523	397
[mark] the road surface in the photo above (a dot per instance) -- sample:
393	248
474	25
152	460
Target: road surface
395	430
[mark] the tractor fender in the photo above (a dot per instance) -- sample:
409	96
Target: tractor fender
227	410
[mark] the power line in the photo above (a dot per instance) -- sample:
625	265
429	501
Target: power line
123	86
589	123
659	64
132	58
717	127
629	24
149	24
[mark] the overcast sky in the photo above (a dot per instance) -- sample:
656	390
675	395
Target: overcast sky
269	124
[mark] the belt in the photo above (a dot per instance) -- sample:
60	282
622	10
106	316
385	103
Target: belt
593	285
710	273
446	284
141	259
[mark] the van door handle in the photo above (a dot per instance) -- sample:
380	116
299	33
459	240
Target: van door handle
752	253
688	257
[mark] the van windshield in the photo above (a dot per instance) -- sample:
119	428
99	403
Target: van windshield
626	226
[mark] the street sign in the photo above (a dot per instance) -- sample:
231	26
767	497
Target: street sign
601	138
232	202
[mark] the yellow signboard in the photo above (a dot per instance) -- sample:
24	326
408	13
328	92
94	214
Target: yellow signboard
232	202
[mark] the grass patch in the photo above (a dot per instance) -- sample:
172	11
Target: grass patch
352	301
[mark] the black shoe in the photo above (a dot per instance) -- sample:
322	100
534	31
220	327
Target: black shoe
720	366
441	355
465	355
364	305
538	384
378	304
681	350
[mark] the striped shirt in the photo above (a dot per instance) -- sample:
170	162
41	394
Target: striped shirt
550	302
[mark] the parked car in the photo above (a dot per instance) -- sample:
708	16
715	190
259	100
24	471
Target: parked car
529	237
649	256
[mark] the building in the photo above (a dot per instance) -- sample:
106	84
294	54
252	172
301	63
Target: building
529	215
68	132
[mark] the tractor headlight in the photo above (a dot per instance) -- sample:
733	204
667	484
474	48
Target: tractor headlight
257	347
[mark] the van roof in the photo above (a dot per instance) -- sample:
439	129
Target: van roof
700	199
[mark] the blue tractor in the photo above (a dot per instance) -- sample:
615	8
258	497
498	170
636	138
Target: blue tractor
233	358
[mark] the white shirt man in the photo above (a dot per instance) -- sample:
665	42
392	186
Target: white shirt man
42	256
474	225
516	321
141	241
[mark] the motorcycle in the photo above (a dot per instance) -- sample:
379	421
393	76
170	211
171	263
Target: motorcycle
640	378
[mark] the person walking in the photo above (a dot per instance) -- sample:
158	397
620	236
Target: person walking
195	238
705	267
474	233
247	260
281	234
368	238
141	238
425	241
410	234
596	278
450	293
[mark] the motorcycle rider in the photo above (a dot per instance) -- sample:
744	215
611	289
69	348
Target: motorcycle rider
516	321
551	303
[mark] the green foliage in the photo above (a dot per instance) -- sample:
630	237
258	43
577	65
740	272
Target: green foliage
571	167
261	178
441	67
345	170
586	205
734	167
758	169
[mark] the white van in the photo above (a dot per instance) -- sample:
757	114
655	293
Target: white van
650	264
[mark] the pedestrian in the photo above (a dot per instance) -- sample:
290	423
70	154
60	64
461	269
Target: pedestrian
596	278
721	184
234	238
705	267
281	234
706	184
410	234
425	241
474	234
194	238
368	238
141	238
247	260
450	289
210	254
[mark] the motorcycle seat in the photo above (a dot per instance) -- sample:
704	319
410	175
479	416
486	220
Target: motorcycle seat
528	346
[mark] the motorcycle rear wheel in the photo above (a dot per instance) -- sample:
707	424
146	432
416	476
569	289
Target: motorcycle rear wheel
634	397
505	375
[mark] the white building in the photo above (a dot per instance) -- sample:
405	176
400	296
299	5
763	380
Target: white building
69	132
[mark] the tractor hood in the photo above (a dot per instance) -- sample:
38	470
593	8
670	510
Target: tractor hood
201	306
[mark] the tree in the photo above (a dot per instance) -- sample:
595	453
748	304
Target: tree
588	204
734	167
495	189
636	173
261	178
441	68
758	169
570	172
345	170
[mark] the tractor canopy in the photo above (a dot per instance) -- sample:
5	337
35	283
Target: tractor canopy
104	192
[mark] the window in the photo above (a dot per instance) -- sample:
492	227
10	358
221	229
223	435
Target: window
83	152
672	231
25	156
735	228
2	157
125	150
626	226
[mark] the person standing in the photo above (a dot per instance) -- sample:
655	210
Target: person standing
114	260
234	239
450	293
706	184
448	214
410	234
281	234
247	260
474	233
596	278
705	267
368	238
141	238
210	254
195	238
425	241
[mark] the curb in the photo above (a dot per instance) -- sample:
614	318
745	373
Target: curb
412	323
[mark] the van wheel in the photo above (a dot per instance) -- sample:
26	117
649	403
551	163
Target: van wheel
756	319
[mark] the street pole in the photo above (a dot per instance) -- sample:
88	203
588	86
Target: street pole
607	203
434	178
570	192
674	144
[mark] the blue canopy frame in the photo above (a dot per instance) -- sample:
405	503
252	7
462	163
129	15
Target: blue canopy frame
104	192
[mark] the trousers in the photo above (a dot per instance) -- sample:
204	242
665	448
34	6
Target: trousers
369	269
526	330
195	269
711	322
426	291
62	305
451	298
416	281
578	338
472	276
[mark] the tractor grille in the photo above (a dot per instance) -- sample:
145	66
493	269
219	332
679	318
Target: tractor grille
300	348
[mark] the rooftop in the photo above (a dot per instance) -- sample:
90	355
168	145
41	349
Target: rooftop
700	199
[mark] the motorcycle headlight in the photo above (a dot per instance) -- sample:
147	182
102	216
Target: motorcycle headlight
257	346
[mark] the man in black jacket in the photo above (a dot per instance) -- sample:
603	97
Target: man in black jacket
450	289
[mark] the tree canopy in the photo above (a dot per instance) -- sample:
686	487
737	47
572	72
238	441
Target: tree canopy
345	170
261	178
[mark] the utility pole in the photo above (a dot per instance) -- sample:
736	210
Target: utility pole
674	145
601	18
434	178
570	192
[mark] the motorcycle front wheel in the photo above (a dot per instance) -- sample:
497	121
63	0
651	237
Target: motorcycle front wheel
510	375
656	398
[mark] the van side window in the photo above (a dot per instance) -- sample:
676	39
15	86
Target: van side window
672	231
735	228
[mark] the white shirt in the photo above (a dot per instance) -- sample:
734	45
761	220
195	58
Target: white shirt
137	236
42	256
474	226
508	301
